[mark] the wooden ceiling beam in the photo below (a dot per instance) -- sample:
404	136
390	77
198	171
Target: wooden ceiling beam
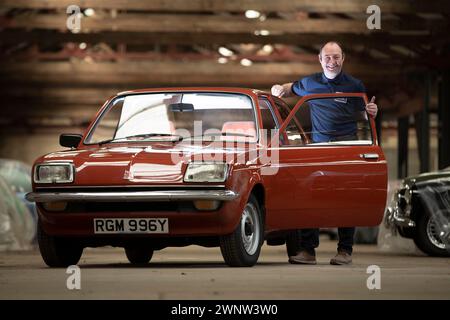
320	6
52	37
78	110
215	24
146	74
93	54
48	96
135	75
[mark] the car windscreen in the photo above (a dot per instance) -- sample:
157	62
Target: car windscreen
167	116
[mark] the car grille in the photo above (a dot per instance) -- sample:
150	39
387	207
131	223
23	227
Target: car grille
128	206
98	207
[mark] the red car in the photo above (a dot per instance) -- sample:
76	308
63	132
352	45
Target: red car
225	167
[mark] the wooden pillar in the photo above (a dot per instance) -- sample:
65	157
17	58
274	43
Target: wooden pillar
422	126
402	128
444	120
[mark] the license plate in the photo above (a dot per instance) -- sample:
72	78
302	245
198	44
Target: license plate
141	225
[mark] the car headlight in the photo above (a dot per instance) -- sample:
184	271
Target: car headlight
206	172
54	173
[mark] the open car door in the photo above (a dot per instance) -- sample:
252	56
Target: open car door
331	170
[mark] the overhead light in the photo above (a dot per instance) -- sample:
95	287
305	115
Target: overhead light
267	48
225	52
252	14
222	60
246	62
83	45
261	32
89	12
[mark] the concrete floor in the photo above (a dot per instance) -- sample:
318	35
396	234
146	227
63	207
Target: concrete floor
199	273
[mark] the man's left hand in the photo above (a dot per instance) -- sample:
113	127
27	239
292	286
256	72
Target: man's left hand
372	108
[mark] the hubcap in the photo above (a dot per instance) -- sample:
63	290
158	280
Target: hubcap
438	234
250	229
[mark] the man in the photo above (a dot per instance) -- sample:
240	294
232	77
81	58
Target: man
331	80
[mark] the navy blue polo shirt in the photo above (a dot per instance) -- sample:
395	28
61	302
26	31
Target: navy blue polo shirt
331	118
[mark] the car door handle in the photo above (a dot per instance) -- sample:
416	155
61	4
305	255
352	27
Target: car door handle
369	156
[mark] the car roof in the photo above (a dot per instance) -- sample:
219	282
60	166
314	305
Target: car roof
195	89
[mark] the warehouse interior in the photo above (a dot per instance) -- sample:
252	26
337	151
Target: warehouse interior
60	60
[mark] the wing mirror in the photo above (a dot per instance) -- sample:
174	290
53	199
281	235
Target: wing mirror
70	140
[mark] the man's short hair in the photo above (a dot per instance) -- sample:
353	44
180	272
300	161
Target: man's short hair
335	42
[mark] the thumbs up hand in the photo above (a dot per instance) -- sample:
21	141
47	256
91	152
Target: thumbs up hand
372	108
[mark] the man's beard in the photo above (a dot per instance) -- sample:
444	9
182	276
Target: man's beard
331	71
333	68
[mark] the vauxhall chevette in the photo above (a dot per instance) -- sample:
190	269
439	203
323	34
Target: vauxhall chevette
216	167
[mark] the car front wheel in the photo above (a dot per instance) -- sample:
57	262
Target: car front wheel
242	247
57	252
432	234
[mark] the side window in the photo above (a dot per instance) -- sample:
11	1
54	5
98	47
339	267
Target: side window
294	134
331	121
282	109
268	118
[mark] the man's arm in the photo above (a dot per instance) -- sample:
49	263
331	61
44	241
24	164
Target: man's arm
283	90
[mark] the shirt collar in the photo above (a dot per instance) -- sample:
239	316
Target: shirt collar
336	80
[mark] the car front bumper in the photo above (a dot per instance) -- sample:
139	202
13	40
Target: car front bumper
182	222
141	196
396	217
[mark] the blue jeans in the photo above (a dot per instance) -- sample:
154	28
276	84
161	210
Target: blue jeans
309	239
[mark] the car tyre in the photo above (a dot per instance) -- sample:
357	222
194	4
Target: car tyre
426	238
138	255
57	252
242	247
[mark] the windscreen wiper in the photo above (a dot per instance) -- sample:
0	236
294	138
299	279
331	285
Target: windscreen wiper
144	135
149	135
218	134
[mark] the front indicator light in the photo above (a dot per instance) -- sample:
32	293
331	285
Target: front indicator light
55	206
206	204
